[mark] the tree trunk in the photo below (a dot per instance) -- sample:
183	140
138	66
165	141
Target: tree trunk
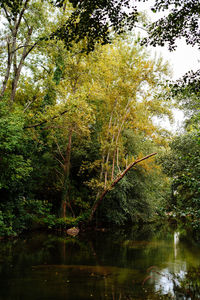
17	69
65	192
7	75
14	84
120	176
12	44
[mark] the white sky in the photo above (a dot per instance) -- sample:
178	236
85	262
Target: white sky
185	58
182	60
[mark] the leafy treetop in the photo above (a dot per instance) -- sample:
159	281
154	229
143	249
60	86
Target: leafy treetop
93	19
182	20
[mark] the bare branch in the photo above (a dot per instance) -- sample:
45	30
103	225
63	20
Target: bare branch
30	102
60	162
119	177
31	48
60	151
23	46
45	121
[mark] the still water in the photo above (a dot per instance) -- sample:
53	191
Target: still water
142	262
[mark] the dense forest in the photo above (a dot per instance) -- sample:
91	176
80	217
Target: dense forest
80	100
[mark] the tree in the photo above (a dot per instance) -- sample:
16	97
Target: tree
27	27
181	21
61	134
83	106
186	92
114	182
123	89
14	160
103	94
95	21
182	164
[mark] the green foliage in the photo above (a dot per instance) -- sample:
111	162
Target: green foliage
6	228
94	21
14	6
137	198
141	195
68	222
181	20
22	214
183	165
74	121
15	163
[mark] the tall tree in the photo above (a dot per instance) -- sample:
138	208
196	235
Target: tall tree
182	164
28	23
125	89
25	26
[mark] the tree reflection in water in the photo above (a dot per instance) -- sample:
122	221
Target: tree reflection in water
145	263
176	281
181	286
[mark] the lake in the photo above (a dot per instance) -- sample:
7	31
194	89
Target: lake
138	262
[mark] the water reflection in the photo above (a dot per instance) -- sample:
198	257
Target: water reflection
144	262
176	240
168	278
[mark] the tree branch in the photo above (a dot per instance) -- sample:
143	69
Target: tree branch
120	176
60	151
23	46
21	15
45	121
7	15
29	103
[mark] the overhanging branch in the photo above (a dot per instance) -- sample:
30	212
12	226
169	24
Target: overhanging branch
45	121
119	177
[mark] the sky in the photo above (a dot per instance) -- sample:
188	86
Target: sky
182	60
185	58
